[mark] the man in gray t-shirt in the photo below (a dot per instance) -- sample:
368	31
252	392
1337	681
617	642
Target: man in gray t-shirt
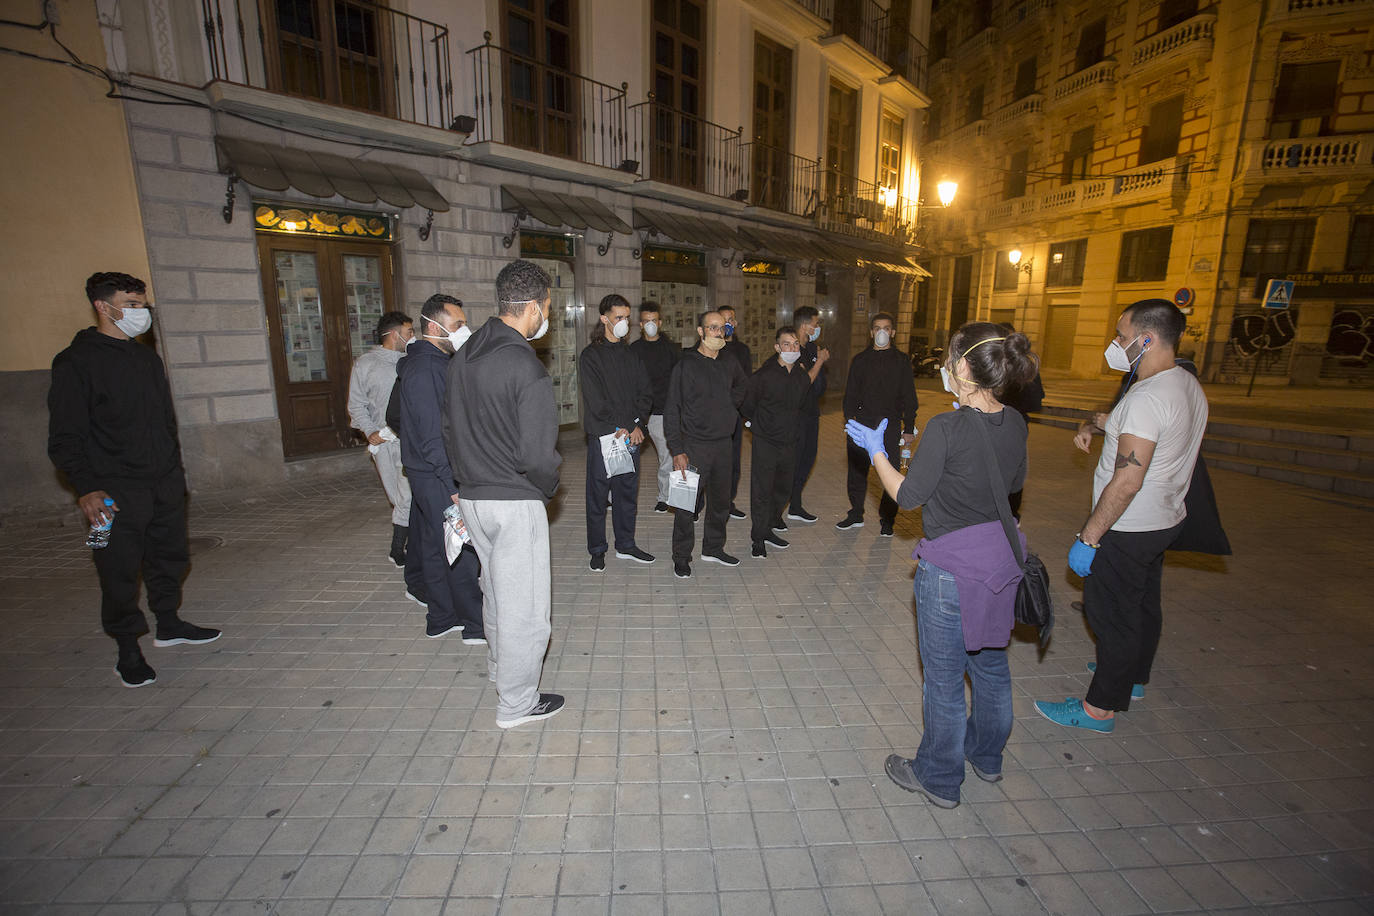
1152	441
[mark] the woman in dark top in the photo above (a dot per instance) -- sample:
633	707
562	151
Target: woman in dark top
966	581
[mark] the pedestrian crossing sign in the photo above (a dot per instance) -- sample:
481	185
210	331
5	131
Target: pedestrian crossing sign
1278	294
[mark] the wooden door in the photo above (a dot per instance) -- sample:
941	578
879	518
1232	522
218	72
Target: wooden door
541	91
772	123
323	301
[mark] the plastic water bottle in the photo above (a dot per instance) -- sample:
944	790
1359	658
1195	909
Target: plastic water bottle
906	458
100	533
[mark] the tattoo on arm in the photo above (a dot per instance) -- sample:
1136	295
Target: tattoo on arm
1126	460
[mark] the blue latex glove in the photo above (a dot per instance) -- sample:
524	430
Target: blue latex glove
1081	558
870	440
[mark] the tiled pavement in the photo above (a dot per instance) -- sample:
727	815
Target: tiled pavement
723	743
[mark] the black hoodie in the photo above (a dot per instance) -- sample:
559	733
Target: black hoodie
110	416
501	423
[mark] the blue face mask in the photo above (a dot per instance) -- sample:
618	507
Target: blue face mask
815	333
729	329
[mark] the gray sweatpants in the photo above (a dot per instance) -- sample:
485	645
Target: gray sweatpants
388	461
665	460
512	541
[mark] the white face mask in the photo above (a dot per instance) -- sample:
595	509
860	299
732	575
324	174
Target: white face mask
135	321
456	337
621	328
651	329
789	356
543	326
881	338
947	380
1117	357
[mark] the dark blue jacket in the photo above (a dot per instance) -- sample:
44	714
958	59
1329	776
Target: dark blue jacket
422	377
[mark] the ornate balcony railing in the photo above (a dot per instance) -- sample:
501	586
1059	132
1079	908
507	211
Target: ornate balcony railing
860	207
912	62
1030	106
1029	11
986	40
1102	73
1148	182
1331	155
1192	36
685	150
367	57
864	21
526	103
781	181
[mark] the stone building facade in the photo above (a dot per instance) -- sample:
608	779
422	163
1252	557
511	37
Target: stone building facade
1158	148
297	173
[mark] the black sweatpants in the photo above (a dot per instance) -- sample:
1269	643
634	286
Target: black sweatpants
624	490
148	538
808	439
737	444
712	461
1121	600
859	463
453	592
770	484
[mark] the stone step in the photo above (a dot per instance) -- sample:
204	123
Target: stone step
1298	455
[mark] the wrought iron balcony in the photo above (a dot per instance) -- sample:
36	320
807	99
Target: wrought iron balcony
781	181
685	150
526	103
1296	11
825	9
857	207
912	62
865	22
359	55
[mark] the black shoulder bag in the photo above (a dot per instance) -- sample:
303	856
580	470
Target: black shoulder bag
1034	606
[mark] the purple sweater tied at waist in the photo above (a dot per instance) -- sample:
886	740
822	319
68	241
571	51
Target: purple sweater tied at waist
986	575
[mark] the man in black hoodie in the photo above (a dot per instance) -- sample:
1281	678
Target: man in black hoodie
502	429
113	433
616	400
881	387
704	395
738	350
452	594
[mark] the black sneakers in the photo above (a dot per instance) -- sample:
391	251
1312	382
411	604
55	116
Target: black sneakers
721	557
474	639
801	515
779	525
597	563
548	705
850	521
774	541
736	513
634	553
179	633
421	600
133	669
885	530
682	569
660	506
434	631
758	550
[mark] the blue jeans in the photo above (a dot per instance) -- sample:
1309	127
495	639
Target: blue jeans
951	732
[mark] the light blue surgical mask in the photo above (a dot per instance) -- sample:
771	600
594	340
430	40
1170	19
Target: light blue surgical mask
815	333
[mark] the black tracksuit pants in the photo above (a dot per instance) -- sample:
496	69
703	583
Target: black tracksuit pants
770	484
148	538
712	461
808	439
859	463
453	592
624	490
737	444
1121	600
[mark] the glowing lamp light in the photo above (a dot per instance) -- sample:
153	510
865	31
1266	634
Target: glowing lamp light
290	226
1014	256
889	196
947	190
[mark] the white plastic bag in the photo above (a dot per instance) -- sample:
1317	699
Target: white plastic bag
616	455
682	493
455	534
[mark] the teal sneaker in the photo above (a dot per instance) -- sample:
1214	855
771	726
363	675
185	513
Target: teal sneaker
1137	690
1071	713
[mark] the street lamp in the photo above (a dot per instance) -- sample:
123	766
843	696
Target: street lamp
1014	257
946	190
